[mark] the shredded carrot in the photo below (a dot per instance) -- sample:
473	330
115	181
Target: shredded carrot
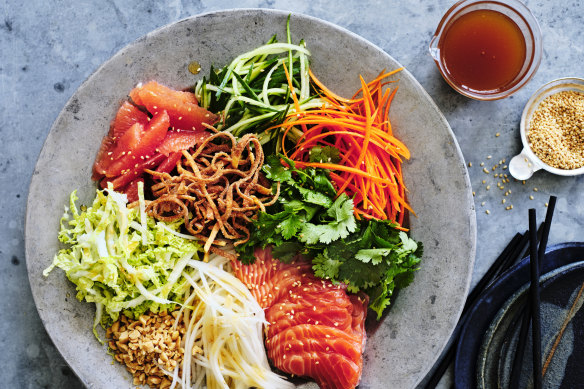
369	170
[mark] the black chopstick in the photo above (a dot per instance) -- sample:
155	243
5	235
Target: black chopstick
507	257
534	300
520	348
493	270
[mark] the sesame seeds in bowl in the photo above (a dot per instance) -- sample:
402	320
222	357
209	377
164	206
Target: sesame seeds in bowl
552	131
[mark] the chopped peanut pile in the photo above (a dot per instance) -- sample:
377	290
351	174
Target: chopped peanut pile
148	345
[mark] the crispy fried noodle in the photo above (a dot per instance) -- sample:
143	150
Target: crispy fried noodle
219	188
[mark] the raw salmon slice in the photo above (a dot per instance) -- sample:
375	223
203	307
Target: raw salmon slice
315	329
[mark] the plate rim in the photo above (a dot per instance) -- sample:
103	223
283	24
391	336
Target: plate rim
278	12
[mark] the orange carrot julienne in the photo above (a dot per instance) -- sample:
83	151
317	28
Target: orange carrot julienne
369	169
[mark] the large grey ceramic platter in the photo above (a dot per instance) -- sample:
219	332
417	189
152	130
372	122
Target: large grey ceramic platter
402	349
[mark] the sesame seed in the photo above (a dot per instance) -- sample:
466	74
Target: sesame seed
488	187
485	170
489	156
503	201
470	164
555	130
497	134
483	203
535	189
482	164
531	197
488	212
484	181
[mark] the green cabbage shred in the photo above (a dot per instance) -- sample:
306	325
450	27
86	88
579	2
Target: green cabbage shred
121	259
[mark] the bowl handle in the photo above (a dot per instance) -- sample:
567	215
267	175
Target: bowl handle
522	166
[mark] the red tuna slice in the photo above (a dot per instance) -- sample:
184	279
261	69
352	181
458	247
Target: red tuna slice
315	328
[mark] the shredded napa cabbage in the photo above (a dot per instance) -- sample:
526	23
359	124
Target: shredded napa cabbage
121	259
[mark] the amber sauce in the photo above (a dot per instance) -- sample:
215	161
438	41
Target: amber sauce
483	50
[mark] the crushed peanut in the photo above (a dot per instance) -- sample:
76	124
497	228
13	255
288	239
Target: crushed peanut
556	130
148	345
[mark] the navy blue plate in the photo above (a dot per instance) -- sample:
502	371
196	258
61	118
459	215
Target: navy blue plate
486	309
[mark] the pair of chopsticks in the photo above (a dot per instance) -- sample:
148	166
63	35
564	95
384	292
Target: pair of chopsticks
514	251
532	310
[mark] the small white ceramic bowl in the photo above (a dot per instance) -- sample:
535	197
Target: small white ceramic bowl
523	166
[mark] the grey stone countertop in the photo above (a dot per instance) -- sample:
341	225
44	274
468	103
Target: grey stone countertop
47	49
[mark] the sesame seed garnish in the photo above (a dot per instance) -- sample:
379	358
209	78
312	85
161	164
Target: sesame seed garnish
503	201
535	189
531	197
482	164
484	181
483	203
488	187
488	212
470	164
489	156
497	134
485	170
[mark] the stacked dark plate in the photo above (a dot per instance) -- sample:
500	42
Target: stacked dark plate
511	327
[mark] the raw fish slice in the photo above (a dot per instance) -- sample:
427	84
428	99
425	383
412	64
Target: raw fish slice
315	328
268	279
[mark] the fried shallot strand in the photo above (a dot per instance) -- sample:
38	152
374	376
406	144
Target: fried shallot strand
217	190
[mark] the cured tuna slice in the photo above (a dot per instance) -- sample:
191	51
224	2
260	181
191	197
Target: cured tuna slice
315	329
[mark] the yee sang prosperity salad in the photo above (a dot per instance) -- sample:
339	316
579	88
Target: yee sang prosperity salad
243	228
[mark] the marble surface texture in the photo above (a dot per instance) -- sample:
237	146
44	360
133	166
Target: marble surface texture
47	49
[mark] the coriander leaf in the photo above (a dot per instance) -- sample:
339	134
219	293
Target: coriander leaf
407	243
315	197
373	255
324	154
290	225
274	169
323	184
325	267
342	212
380	297
360	275
343	223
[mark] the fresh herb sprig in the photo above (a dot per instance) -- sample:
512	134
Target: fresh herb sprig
309	219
